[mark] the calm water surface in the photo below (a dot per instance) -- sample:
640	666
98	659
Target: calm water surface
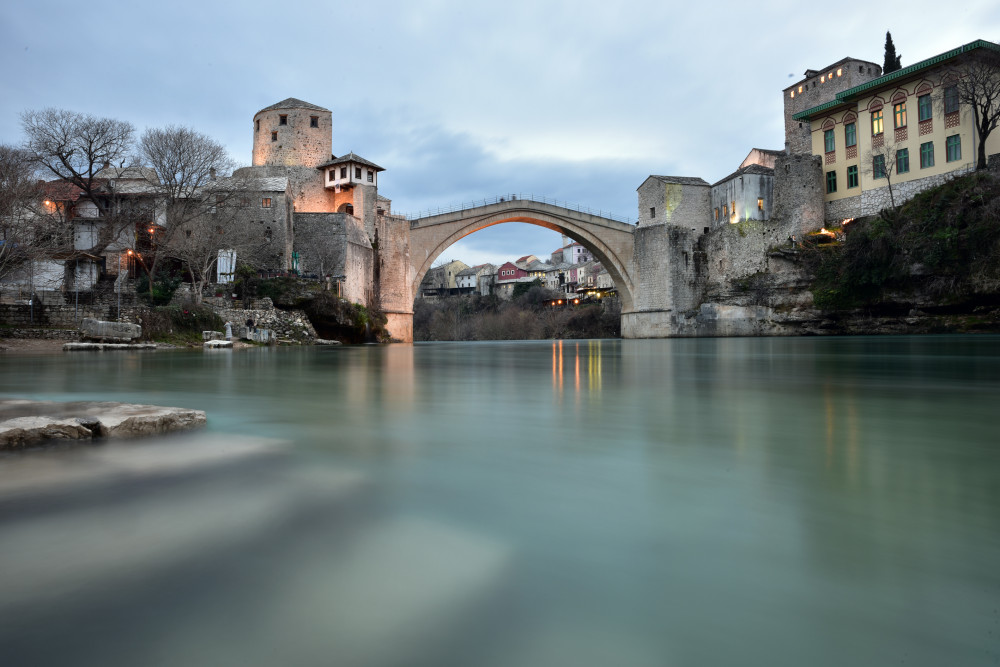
674	502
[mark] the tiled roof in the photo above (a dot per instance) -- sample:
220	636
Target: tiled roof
350	157
680	180
749	169
845	96
293	103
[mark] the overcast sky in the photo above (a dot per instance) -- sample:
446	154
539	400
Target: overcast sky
460	101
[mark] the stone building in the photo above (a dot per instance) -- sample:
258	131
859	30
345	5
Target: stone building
906	131
323	221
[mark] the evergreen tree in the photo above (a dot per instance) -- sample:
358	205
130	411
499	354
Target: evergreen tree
891	59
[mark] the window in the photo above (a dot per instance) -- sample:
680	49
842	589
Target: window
760	203
899	115
265	202
878	166
357	172
850	135
953	148
343	172
831	182
732	208
283	119
313	121
852	176
274	136
924	108
828	141
332	174
877	122
951	99
902	160
725	211
927	155
257	126
716	212
371	176
652	211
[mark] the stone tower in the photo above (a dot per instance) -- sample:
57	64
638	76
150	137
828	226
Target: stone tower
820	87
292	133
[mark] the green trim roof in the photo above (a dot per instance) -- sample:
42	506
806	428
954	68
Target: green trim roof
844	96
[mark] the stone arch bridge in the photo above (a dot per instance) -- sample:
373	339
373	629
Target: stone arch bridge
408	248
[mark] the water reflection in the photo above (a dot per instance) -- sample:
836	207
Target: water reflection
820	501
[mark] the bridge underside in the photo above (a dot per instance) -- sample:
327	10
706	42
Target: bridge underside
610	242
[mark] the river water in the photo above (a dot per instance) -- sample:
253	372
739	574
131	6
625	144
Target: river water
802	501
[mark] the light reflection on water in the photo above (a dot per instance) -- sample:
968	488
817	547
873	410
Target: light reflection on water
711	501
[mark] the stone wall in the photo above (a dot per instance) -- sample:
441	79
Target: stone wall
286	324
870	202
798	195
321	242
20	315
675	201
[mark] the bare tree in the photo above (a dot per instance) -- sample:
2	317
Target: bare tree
19	194
78	149
979	87
183	166
884	160
225	225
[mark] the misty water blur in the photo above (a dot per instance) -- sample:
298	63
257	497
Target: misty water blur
672	502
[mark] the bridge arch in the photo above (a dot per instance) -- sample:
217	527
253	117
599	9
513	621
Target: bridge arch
608	240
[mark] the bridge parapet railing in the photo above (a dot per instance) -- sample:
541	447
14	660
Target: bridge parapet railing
500	199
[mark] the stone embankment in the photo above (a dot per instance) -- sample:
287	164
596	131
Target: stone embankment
25	423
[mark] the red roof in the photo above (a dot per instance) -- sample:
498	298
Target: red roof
60	191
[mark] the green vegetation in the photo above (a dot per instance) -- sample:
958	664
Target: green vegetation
525	317
179	325
337	319
943	245
162	292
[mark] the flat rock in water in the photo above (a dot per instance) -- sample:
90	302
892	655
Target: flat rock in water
24	423
323	341
212	344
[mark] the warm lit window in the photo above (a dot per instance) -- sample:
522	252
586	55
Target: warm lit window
733	208
878	166
927	155
716	212
265	202
282	119
828	141
793	93
831	182
924	107
313	121
800	89
839	71
953	148
899	114
852	176
877	122
951	99
274	136
725	210
850	135
760	203
902	160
